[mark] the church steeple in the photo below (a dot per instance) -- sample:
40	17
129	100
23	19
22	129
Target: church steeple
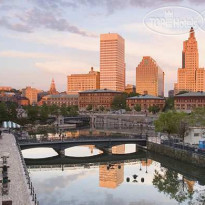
53	90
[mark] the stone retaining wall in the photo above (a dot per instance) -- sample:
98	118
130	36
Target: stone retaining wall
182	155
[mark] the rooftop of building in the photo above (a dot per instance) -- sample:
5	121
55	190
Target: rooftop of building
146	97
100	91
191	94
61	96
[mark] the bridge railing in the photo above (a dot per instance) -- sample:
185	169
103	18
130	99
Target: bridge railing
81	138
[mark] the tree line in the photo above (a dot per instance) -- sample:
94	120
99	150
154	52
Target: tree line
8	112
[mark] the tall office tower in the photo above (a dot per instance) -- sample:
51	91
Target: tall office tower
190	76
53	90
82	82
149	78
112	62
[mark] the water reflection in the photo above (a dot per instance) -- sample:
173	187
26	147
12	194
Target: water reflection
152	180
82	151
39	153
112	175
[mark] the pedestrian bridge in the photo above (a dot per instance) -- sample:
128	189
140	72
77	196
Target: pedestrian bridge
102	143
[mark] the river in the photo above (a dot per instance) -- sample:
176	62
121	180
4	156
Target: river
140	178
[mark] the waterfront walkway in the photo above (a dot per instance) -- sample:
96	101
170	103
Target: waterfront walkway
18	190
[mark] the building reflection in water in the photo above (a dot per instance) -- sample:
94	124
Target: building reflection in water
112	175
190	185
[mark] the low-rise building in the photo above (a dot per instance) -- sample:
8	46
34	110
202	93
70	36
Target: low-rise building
60	99
145	101
82	82
31	94
7	97
5	88
23	101
97	98
189	101
130	88
194	135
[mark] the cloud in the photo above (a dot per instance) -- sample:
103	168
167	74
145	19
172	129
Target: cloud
19	54
34	18
60	40
65	67
4	22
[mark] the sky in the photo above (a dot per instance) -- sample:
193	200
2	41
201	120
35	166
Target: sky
45	39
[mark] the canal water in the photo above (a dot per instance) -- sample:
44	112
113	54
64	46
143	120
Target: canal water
139	178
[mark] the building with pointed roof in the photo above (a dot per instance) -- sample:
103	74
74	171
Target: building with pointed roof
190	76
53	90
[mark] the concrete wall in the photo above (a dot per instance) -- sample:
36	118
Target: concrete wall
178	154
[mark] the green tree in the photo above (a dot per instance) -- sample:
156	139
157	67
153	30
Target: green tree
64	110
169	104
73	112
89	107
33	112
12	113
173	123
170	184
119	102
3	112
101	108
167	122
154	109
127	108
44	112
137	107
197	117
53	109
132	94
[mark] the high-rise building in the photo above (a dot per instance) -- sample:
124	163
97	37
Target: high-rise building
112	62
82	82
53	90
190	76
149	78
31	94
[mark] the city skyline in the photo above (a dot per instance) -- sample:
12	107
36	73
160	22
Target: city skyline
58	56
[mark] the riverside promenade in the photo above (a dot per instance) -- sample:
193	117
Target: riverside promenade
18	192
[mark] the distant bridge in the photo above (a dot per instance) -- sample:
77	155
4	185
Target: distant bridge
102	143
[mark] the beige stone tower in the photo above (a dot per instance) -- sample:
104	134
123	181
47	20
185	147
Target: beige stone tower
190	77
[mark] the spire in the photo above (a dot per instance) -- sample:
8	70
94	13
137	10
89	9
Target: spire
53	88
192	33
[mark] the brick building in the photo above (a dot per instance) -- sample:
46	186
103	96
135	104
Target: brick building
97	98
189	101
31	94
59	100
145	101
